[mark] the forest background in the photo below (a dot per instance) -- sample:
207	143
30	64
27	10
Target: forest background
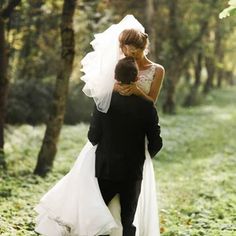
41	45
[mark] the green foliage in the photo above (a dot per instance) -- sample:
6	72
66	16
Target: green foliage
195	171
198	198
231	10
33	34
29	103
34	43
79	106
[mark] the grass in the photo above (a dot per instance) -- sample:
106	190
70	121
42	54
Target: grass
195	171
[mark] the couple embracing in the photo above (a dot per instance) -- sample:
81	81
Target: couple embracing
110	190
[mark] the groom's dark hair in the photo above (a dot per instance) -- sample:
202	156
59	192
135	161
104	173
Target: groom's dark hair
126	70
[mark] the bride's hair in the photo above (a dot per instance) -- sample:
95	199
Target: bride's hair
133	37
126	70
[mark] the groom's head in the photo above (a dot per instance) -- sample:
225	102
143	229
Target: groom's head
126	70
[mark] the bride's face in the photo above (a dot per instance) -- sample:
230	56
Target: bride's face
132	51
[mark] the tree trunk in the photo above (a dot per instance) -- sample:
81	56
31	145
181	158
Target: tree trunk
210	67
191	98
3	89
219	52
57	110
169	105
230	77
150	27
172	78
30	39
4	79
219	77
180	54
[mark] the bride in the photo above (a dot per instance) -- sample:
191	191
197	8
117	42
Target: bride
74	206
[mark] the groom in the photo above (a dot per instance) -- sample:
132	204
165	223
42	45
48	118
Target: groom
120	136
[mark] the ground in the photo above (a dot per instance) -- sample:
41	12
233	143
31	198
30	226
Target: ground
195	171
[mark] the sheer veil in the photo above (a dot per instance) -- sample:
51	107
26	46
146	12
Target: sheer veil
99	65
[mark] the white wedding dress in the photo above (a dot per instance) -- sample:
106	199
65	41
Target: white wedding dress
75	207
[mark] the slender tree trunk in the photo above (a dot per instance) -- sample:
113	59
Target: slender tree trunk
150	27
230	77
4	82
172	77
191	98
49	147
169	105
219	77
187	76
219	52
215	60
4	79
210	67
29	40
179	53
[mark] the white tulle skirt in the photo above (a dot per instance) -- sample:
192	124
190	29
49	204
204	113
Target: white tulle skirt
75	207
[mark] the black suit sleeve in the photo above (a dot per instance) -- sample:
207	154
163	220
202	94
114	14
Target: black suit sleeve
95	128
153	133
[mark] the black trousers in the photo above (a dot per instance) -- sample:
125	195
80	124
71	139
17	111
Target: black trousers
129	193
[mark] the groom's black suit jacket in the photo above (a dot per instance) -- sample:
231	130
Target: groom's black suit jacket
120	135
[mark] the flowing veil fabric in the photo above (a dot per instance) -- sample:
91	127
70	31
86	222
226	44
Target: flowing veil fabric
74	206
99	65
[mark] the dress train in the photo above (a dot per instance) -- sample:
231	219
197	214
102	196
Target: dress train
75	207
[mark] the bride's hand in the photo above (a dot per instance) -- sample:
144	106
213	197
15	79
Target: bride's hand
117	87
121	88
129	89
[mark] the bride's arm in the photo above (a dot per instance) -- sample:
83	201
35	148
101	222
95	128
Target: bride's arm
157	83
135	89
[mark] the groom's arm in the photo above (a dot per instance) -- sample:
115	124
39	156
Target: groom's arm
95	128
153	133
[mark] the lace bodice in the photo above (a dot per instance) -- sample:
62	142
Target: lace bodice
145	78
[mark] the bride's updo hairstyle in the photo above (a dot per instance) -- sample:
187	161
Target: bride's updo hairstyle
133	37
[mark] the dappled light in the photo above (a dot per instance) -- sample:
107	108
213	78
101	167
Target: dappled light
185	66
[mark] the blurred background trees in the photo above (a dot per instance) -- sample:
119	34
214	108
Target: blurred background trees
197	50
6	11
195	47
58	104
187	38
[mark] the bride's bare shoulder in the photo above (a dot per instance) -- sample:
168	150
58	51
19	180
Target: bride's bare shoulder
160	70
158	67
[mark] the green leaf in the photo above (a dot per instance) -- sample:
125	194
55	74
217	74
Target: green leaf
232	3
227	12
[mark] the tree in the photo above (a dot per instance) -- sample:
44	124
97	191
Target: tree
231	10
183	41
57	110
39	42
192	97
150	26
5	14
214	55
